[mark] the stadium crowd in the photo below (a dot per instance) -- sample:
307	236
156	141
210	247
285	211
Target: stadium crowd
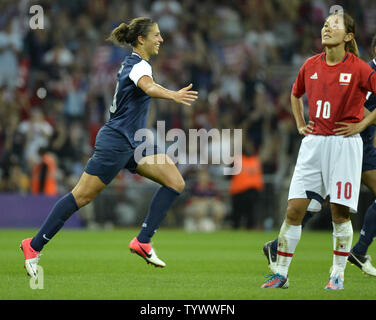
57	83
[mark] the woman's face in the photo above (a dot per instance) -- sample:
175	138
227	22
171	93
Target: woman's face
333	32
153	40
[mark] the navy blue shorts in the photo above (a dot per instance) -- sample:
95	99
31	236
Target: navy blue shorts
112	152
369	157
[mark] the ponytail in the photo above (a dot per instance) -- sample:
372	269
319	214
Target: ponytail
118	36
128	34
350	28
352	47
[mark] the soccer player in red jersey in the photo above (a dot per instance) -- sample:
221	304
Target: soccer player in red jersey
330	157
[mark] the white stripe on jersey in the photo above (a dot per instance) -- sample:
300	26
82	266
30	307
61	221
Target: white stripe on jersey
369	92
140	69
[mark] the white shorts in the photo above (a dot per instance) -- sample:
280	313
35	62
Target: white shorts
328	166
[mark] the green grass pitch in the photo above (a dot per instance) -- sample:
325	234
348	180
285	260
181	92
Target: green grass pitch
225	265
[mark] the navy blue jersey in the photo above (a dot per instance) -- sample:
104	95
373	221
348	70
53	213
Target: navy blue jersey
130	106
369	133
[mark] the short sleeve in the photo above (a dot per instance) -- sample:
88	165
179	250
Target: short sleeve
139	70
298	88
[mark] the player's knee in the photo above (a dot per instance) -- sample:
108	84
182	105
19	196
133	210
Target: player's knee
294	215
83	199
178	184
340	214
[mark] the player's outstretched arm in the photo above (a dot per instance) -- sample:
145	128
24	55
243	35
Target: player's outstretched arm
154	90
298	111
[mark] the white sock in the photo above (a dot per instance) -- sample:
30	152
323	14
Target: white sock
288	239
342	241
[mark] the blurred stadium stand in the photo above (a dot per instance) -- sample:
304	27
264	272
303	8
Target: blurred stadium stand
56	86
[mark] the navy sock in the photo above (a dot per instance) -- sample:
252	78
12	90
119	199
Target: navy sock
307	217
159	206
62	210
368	232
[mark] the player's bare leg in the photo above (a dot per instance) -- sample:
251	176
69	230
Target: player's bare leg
165	172
87	188
161	169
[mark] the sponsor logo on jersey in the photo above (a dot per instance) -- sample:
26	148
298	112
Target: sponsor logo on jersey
314	76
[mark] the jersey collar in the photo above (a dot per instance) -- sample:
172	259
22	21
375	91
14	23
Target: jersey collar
136	54
323	59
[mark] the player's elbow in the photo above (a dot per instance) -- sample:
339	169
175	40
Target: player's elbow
294	98
151	90
147	85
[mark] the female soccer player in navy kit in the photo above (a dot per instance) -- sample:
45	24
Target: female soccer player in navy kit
329	164
115	146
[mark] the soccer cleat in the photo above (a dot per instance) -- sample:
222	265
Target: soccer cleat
275	281
363	263
146	251
336	282
271	255
31	257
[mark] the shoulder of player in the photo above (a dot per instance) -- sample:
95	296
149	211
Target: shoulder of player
133	59
356	65
314	59
358	62
134	63
138	62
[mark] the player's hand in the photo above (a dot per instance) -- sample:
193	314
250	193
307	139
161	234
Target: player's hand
348	128
186	96
307	129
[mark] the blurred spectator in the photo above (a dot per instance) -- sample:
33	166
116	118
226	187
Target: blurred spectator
245	188
10	46
75	100
166	13
43	176
261	43
58	55
37	132
205	209
57	84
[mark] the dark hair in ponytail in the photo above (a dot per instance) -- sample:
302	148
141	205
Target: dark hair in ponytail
350	28
128	34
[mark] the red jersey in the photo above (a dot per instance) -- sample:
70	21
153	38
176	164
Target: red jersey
335	93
